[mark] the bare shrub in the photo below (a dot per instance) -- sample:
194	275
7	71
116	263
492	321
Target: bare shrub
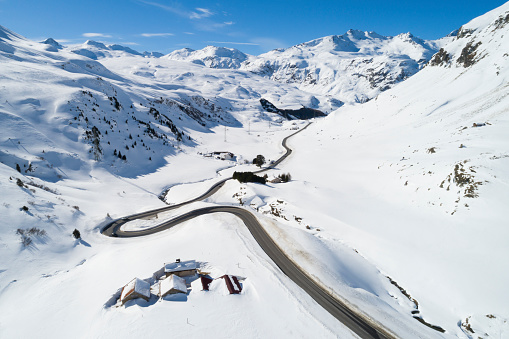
27	234
37	232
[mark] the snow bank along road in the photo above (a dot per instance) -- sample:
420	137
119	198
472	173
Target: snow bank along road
357	323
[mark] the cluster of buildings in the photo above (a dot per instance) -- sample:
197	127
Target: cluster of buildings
174	278
220	155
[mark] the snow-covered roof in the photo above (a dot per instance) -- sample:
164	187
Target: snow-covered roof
180	266
136	285
172	282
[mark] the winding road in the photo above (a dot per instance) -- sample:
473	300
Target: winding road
360	324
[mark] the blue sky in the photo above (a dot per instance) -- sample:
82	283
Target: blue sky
252	26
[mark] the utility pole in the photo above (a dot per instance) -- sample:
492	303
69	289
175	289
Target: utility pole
224	133
249	129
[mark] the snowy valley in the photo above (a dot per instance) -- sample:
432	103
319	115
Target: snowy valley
396	203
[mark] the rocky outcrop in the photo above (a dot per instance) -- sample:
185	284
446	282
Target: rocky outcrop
303	113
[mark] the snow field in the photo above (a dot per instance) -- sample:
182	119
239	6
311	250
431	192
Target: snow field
67	301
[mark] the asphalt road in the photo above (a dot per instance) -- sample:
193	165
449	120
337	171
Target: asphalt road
355	322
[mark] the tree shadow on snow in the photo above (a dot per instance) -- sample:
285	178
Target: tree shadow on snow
81	242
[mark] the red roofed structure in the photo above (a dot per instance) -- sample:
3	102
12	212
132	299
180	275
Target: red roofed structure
232	283
205	283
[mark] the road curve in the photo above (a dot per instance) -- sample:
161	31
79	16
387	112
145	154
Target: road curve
355	322
112	228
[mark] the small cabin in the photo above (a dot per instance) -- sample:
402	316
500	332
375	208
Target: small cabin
221	155
172	285
136	288
180	268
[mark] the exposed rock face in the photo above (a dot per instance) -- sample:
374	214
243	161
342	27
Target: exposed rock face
501	21
441	58
468	54
464	32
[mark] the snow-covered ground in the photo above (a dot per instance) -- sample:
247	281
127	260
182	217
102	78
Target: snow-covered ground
401	195
415	188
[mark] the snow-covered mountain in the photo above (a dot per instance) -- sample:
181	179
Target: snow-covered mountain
60	109
353	67
350	68
96	50
421	185
52	42
211	56
154	101
481	38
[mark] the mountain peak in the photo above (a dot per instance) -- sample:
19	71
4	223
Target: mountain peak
211	56
407	35
355	34
225	52
95	44
52	42
123	48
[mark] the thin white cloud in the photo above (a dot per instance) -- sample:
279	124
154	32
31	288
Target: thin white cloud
233	43
151	35
269	43
189	33
171	9
96	35
213	26
201	17
200	13
130	43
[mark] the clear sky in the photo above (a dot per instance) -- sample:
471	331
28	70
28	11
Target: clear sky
253	27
